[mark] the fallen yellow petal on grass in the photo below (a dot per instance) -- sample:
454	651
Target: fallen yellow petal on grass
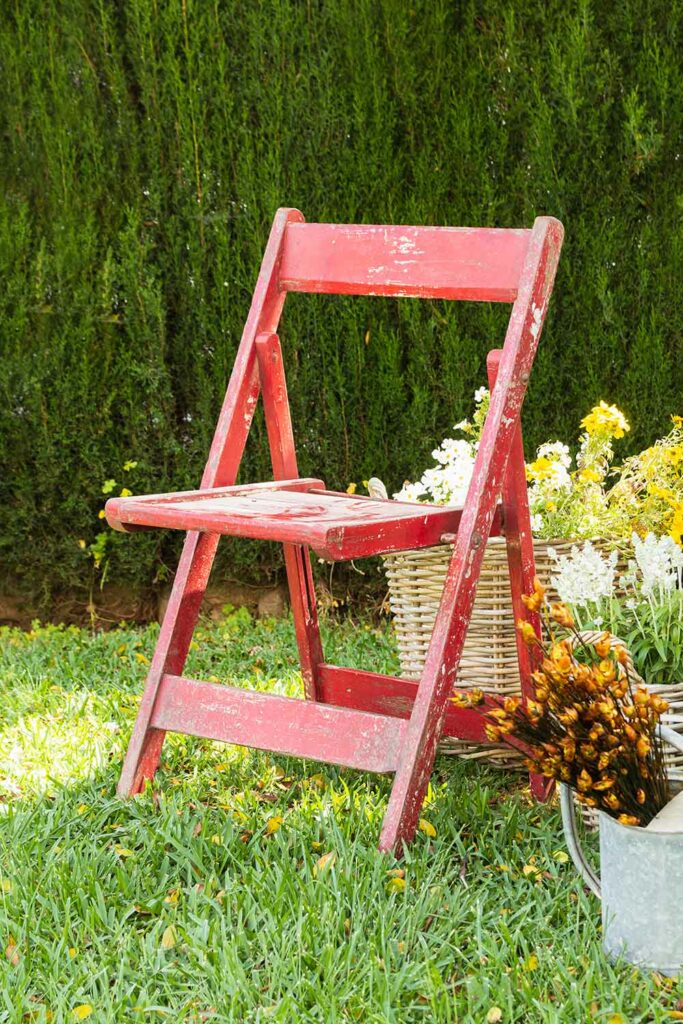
561	856
169	938
11	952
123	851
273	824
494	1015
5	885
396	884
531	962
82	1011
427	827
326	861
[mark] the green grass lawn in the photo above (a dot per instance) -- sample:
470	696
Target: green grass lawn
248	887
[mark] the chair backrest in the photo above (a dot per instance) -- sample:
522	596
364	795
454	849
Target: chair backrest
476	264
481	264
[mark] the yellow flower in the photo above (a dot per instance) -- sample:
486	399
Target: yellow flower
605	419
561	615
660	492
673	455
589	476
534	601
603	646
541	469
676	531
527	632
628	819
677	421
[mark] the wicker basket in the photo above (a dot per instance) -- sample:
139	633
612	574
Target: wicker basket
489	658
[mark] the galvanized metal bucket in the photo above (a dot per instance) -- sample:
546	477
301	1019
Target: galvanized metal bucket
642	911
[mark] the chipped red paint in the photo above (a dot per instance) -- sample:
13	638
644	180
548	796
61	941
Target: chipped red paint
380	723
443	656
520	554
337	526
282	724
479	264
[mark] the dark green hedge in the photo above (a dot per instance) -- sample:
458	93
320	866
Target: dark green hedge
146	146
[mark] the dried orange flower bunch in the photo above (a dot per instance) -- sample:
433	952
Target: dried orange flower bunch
588	726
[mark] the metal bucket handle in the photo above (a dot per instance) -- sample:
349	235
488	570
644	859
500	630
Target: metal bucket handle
568	808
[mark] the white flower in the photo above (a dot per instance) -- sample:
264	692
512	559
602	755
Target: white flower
410	492
556	452
536	523
448	485
585	577
549	475
660	561
629	579
454	452
560	479
480	395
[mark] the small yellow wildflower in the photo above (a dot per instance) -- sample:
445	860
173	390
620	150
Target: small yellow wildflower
605	419
589	476
676	531
660	492
541	469
673	455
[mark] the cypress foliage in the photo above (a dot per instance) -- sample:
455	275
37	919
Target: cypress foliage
146	148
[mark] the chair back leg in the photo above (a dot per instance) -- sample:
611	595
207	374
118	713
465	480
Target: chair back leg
426	723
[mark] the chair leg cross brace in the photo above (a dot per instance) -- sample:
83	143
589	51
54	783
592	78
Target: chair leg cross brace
351	717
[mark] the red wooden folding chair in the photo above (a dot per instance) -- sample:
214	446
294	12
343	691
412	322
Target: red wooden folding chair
351	717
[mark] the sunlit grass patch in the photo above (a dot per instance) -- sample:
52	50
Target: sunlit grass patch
63	744
247	887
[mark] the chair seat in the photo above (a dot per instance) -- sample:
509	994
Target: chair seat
336	525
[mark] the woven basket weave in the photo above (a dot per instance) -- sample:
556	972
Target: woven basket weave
489	658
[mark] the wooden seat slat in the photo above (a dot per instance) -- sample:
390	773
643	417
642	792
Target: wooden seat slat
335	524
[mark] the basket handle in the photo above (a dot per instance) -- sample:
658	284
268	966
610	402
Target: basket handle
591	636
568	808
